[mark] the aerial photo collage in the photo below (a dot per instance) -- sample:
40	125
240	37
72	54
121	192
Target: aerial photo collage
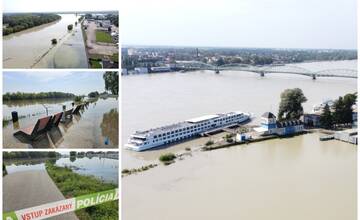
179	110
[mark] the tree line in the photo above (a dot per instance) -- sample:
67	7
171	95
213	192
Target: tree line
17	22
42	95
340	113
30	155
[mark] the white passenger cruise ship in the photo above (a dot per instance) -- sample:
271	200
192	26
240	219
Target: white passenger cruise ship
143	140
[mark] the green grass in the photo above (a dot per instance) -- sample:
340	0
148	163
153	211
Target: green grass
72	184
95	64
102	36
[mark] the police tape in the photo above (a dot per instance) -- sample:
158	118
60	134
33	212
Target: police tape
63	206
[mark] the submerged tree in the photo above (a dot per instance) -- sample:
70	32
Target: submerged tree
112	82
291	104
70	27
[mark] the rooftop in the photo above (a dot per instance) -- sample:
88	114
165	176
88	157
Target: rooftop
268	115
202	118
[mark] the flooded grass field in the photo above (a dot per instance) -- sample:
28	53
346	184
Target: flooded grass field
103	168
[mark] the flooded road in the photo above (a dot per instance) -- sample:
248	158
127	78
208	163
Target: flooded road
32	48
96	126
154	100
296	178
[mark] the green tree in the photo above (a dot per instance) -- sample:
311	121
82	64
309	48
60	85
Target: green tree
112	82
326	118
52	154
72	153
291	104
349	100
339	111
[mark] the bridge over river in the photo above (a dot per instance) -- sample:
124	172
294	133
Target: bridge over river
262	70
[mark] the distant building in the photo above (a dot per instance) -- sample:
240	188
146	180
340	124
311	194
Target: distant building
158	69
141	70
105	23
269	125
354	116
311	120
320	107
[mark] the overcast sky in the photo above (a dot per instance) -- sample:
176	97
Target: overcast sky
60	5
78	83
240	23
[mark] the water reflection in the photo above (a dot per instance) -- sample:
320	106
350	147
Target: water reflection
105	169
94	126
110	126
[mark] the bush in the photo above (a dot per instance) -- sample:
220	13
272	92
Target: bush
167	157
210	142
125	171
70	27
78	98
54	41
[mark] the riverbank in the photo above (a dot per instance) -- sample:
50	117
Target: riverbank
72	184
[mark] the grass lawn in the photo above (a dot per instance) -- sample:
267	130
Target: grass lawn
95	64
102	36
72	184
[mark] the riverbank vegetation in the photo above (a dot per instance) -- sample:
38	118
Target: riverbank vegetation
126	172
72	185
167	158
13	23
41	95
112	82
341	113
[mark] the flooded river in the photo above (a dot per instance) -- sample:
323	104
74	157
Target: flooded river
96	126
296	178
160	99
293	178
102	168
32	48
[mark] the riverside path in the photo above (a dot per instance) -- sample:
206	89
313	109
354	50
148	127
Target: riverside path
31	188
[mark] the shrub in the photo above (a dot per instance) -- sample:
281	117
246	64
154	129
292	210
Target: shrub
54	41
210	142
167	157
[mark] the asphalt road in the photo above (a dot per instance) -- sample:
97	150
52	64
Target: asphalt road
31	188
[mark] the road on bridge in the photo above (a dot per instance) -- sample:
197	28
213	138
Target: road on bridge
31	188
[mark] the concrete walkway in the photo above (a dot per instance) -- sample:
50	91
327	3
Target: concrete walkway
31	188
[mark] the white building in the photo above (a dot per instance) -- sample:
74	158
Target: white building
141	70
269	125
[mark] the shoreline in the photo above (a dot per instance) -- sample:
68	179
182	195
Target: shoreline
82	185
